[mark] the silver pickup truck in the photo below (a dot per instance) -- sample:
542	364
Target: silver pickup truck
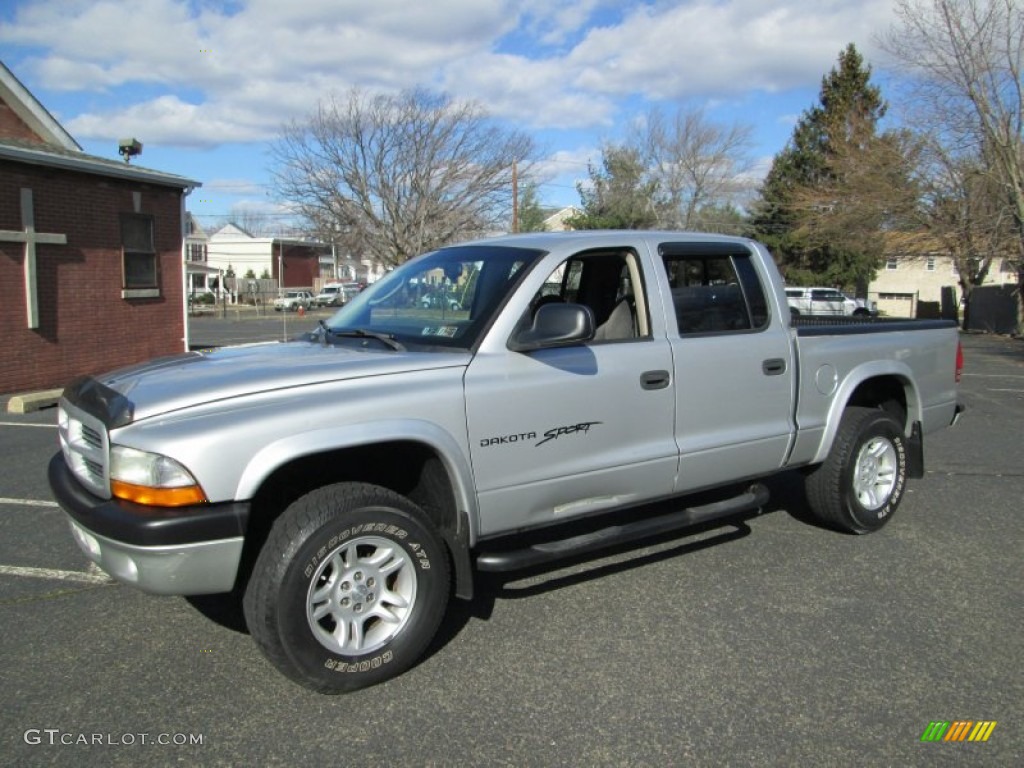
345	485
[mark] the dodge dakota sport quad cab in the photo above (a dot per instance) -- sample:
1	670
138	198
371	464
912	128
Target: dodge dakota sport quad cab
345	485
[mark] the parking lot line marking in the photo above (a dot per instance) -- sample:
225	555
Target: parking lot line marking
1005	390
20	424
29	502
995	375
92	576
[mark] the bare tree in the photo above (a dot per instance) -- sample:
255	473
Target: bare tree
962	214
699	165
253	222
391	176
967	57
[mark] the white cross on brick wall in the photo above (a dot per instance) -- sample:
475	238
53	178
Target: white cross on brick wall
30	237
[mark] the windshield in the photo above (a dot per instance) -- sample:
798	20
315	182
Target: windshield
446	298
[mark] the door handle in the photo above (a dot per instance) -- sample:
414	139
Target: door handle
655	379
775	366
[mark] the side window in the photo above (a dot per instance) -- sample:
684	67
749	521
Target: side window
715	292
826	295
139	252
610	283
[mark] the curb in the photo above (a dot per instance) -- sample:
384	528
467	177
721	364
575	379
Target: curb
33	401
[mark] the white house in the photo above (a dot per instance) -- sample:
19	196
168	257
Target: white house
304	263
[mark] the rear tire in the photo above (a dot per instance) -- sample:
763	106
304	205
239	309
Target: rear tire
859	486
349	589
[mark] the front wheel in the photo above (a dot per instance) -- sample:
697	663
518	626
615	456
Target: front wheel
859	486
349	589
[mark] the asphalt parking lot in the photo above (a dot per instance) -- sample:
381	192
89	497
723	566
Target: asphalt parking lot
771	642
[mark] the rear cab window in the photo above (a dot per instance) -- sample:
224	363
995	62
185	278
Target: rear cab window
715	288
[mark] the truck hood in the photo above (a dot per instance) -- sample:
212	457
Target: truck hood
172	383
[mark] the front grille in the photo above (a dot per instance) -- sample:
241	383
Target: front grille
93	437
83	441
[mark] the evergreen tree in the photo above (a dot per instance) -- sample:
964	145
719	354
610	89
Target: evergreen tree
531	214
837	185
620	194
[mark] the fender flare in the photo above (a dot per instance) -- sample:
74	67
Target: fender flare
865	372
462	534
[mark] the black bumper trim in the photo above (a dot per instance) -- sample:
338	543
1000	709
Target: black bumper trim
141	525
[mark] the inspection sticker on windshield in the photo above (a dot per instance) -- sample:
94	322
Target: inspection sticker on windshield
448	331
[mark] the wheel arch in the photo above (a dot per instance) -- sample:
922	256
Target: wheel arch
415	459
888	385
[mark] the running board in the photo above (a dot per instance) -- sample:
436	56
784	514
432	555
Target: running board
753	498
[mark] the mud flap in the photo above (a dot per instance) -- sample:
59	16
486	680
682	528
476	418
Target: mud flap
915	452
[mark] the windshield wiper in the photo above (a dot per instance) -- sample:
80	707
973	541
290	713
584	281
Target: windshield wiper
386	339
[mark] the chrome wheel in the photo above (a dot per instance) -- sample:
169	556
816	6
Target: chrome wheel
875	472
362	595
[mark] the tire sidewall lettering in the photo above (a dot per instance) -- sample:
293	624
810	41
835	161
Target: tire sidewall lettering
342	665
874	518
401	651
377	529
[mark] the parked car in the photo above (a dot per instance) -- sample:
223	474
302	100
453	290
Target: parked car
347	485
292	300
826	301
439	299
330	296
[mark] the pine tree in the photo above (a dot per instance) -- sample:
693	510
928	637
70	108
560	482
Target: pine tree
620	195
837	185
531	214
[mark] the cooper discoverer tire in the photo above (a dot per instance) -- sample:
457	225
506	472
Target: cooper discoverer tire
859	486
349	588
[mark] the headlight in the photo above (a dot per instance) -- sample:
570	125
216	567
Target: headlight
149	478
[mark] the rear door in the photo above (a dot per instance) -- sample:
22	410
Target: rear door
732	364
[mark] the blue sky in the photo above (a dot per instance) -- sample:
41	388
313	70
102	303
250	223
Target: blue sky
206	86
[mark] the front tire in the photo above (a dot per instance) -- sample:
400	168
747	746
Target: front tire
859	486
349	589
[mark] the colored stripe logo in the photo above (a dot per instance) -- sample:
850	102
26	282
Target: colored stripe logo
958	730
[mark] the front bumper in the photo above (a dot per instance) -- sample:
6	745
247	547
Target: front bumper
166	551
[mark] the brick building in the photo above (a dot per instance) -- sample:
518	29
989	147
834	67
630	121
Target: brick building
91	263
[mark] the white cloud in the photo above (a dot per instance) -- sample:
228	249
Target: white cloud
708	48
533	94
168	120
200	74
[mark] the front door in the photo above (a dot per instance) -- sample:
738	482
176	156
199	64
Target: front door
558	433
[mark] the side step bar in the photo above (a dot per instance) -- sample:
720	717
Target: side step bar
753	498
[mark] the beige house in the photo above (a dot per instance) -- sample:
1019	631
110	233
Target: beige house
904	284
556	221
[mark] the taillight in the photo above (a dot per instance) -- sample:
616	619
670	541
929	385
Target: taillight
959	361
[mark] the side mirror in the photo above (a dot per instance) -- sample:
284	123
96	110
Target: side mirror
555	325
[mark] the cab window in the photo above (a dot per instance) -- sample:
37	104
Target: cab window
715	288
610	283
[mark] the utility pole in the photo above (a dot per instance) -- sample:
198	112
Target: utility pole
515	197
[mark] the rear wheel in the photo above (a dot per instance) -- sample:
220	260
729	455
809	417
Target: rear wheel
861	483
349	588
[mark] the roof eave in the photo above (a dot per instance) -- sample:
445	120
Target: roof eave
87	164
